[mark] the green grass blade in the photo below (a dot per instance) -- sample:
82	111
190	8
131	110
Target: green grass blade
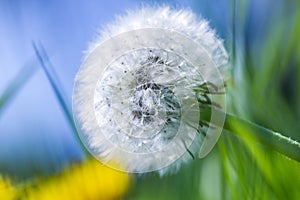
57	88
269	138
18	82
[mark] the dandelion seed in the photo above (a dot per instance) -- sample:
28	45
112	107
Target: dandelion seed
134	97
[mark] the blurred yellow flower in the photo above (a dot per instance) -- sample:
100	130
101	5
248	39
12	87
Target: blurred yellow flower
7	191
88	181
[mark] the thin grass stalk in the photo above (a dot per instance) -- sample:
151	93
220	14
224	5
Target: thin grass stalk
57	88
257	133
17	83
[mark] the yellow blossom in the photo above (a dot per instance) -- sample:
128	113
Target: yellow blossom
7	191
88	181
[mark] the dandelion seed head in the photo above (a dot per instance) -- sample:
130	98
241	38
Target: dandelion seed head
183	21
134	98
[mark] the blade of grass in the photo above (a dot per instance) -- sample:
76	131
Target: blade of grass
18	82
233	29
269	138
57	88
294	43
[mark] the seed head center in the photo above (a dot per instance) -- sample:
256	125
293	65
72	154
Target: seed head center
146	105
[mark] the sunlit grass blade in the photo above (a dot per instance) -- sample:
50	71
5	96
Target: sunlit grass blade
57	88
18	82
269	138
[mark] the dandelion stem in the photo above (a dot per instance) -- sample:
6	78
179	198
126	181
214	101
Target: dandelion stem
250	131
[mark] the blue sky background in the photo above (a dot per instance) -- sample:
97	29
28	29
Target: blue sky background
35	137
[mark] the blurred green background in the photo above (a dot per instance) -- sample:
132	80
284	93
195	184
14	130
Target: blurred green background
262	37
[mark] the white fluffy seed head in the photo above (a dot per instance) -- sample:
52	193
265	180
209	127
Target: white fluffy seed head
134	96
